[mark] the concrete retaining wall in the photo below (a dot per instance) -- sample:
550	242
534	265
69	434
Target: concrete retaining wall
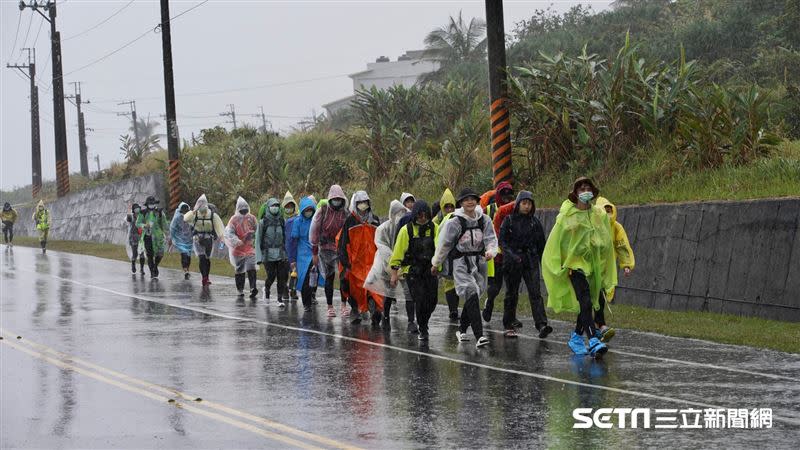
730	257
96	215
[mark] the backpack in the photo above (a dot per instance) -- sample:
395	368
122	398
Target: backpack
213	231
266	226
457	254
420	248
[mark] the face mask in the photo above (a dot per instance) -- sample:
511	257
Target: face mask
243	211
150	206
586	197
289	211
274	209
308	214
203	210
422	221
136	211
363	206
336	204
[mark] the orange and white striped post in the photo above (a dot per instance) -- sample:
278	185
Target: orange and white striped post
498	90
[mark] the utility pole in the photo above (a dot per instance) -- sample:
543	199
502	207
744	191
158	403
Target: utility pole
498	90
81	129
60	128
36	149
169	95
263	119
231	114
97	159
132	113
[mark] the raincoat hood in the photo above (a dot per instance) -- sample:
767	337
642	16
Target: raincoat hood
396	211
405	196
288	198
178	209
7	206
447	198
460	212
306	203
40	205
420	206
241	204
336	191
134	206
602	202
202	202
359	196
573	196
524	195
500	187
270	203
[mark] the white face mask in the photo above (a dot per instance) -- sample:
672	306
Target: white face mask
363	206
289	210
586	197
274	209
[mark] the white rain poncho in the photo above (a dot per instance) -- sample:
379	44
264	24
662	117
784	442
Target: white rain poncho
205	224
469	272
379	275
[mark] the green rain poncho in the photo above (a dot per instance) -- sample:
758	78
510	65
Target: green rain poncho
153	222
580	240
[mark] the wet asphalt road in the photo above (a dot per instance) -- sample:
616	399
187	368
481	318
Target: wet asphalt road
111	360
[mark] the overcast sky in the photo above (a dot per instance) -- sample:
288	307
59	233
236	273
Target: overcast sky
290	57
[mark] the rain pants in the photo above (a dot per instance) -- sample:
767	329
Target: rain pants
356	253
579	241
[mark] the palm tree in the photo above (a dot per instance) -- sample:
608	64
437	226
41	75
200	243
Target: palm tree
457	43
146	130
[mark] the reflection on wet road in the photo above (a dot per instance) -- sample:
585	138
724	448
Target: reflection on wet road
110	360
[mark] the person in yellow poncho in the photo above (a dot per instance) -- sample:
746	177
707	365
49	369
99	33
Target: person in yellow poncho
625	261
9	217
578	263
41	219
447	205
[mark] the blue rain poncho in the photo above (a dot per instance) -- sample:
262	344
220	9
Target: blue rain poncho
180	231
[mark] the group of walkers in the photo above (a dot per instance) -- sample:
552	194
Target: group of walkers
475	243
41	222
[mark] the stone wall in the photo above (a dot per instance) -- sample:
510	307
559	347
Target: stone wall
96	215
732	257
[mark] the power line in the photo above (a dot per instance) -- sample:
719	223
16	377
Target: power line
16	35
35	40
99	23
141	36
25	41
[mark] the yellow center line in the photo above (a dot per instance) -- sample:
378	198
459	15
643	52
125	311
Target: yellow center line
71	362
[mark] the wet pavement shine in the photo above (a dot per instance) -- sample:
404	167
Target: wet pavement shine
93	357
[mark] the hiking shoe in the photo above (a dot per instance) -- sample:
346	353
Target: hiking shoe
483	340
281	304
345	311
577	344
331	311
606	334
544	331
511	333
307	308
423	336
454	316
253	293
487	315
462	337
516	324
293	295
376	319
412	328
386	324
596	348
186	276
241	292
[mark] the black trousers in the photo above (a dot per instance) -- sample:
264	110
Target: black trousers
8	232
471	317
424	291
186	260
206	244
599	315
307	292
277	270
584	324
495	284
515	275
251	278
153	260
